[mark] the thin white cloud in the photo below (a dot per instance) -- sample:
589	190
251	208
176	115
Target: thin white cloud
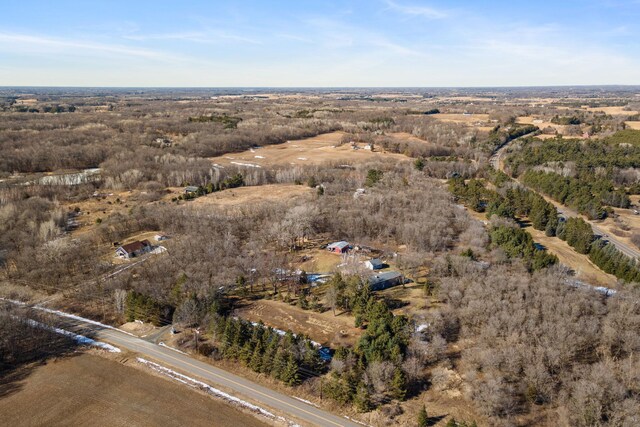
422	11
29	43
210	37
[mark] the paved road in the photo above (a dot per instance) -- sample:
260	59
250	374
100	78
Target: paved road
628	250
293	409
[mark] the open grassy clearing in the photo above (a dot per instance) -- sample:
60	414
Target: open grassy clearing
633	125
92	390
468	119
320	149
613	111
245	196
321	327
584	269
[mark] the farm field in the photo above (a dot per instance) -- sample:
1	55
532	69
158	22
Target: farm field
320	149
86	389
633	125
613	111
469	119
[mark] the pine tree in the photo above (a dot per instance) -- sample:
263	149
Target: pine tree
362	399
398	385
290	374
423	418
255	362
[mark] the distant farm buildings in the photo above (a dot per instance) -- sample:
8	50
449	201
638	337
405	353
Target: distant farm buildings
134	249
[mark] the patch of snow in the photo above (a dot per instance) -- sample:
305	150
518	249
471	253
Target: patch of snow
302	158
305	401
215	165
422	327
356	421
162	344
158	250
259	157
70	316
251	165
192	382
80	339
283	333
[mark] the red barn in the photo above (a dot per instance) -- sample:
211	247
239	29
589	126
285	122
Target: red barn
338	247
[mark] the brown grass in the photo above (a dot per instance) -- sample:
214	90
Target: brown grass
613	111
584	269
461	118
319	149
247	196
321	327
633	125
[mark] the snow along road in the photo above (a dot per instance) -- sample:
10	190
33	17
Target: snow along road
294	409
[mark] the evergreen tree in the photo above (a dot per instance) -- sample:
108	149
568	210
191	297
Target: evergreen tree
255	363
423	418
290	375
399	385
362	399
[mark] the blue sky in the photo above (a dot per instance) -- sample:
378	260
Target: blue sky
319	43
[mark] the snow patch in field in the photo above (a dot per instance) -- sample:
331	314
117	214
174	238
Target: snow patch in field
250	165
302	158
191	382
80	339
259	157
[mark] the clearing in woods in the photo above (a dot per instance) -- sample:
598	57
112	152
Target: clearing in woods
318	149
249	196
86	389
321	327
468	119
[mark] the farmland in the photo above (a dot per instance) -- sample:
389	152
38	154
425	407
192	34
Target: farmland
88	389
320	149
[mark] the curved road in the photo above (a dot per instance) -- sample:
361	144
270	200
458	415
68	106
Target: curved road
293	409
496	162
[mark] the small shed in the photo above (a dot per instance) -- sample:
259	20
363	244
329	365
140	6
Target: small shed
374	264
338	247
385	280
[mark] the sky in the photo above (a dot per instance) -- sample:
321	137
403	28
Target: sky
319	43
